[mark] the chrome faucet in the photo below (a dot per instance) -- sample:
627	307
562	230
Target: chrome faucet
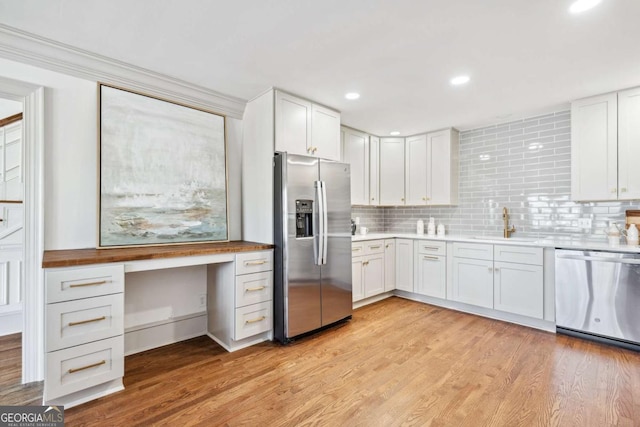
507	230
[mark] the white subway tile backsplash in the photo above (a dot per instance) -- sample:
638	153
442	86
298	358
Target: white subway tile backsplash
526	167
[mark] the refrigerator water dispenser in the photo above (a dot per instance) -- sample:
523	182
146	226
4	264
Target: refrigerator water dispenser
304	218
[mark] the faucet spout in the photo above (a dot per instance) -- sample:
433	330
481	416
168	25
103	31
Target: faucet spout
507	231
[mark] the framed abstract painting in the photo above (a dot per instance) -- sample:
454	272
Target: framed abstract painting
162	172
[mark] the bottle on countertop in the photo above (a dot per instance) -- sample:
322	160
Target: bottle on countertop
613	233
431	227
632	235
420	227
440	230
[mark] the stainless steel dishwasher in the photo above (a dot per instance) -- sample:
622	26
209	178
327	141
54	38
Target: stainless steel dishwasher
598	296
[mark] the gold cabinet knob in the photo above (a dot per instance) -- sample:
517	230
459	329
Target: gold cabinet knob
424	198
373	198
402	200
623	190
615	190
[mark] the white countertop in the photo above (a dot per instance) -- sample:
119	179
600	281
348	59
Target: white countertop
577	242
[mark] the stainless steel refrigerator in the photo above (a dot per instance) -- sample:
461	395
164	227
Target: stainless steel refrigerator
312	226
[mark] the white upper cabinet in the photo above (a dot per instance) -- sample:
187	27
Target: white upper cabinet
302	127
325	132
416	170
442	167
356	153
594	134
629	144
392	171
374	170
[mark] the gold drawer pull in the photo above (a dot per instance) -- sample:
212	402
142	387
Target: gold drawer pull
259	288
82	322
80	285
73	370
259	319
255	262
355	249
374	247
431	257
430	248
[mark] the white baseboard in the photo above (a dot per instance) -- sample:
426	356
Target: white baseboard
371	300
146	337
82	396
10	323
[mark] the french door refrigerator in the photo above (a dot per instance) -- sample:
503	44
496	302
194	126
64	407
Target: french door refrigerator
312	227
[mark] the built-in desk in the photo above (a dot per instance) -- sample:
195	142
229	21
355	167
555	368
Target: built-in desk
84	318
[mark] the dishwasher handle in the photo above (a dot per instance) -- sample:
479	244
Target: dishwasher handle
633	261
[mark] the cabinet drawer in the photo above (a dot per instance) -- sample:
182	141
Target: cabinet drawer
254	288
373	247
357	248
75	283
430	247
473	250
84	366
253	319
519	254
254	262
78	322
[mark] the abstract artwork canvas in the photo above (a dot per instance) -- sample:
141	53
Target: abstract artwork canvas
163	177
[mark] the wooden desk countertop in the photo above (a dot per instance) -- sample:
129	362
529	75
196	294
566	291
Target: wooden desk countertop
73	257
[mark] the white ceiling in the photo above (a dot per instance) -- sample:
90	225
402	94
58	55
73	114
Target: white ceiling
524	56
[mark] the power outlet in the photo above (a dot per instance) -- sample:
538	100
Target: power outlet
202	300
584	222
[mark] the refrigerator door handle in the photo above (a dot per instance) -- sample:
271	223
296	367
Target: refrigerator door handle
318	247
325	219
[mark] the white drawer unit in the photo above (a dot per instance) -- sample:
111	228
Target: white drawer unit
254	262
473	250
77	322
78	368
430	247
519	254
373	247
75	283
253	319
254	288
357	248
85	328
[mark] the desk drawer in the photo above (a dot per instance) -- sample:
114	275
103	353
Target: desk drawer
429	247
253	319
254	262
78	322
78	368
75	283
254	288
518	254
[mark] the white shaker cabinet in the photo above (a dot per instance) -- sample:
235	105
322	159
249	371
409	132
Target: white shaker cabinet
391	175
374	170
518	289
404	265
594	169
389	265
432	275
416	170
473	281
442	167
302	127
629	144
367	269
356	153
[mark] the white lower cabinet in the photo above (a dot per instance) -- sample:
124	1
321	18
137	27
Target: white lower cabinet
404	265
389	265
501	277
432	276
368	277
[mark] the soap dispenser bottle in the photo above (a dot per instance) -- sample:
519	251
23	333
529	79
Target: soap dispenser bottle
420	227
632	235
431	227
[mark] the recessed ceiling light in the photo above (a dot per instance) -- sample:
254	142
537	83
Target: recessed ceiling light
580	6
394	133
352	95
460	80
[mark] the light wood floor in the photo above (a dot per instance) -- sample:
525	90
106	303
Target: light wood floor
397	362
12	392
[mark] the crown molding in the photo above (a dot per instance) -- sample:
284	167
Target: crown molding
31	49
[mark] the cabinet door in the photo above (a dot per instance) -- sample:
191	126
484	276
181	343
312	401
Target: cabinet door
519	289
389	265
440	168
357	278
629	144
374	275
473	281
374	170
594	135
325	132
392	171
432	271
416	170
404	265
293	124
356	153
